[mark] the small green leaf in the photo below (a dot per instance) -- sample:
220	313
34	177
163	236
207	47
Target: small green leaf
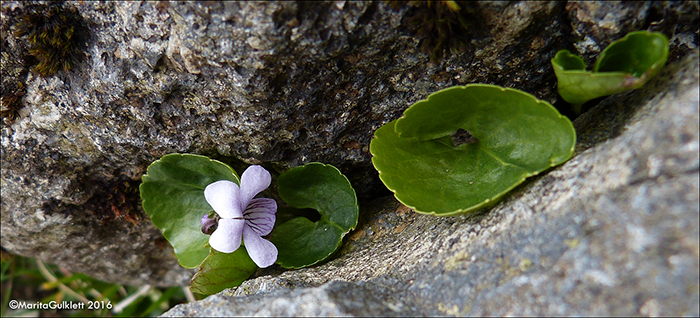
578	86
517	136
624	65
222	270
638	53
323	188
173	196
570	62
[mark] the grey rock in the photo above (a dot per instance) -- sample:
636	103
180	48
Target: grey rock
333	299
277	83
613	231
596	24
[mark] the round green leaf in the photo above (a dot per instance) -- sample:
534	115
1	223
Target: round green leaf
624	65
323	188
172	192
222	270
517	136
301	242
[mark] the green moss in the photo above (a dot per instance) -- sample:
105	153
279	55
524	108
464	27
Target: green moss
11	101
441	26
56	35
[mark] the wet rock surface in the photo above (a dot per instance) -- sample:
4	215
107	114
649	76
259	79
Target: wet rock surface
275	83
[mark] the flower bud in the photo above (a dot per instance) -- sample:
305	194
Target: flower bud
208	224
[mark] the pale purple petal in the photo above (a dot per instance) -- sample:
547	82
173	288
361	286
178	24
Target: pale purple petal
261	251
253	181
260	215
224	198
227	237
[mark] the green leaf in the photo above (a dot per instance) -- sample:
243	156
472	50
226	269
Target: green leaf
638	53
222	270
578	86
323	188
173	196
517	136
570	62
624	65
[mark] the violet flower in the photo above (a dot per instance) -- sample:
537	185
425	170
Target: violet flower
242	216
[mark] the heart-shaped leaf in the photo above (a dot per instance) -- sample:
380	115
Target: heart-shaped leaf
222	270
323	188
173	196
517	136
625	64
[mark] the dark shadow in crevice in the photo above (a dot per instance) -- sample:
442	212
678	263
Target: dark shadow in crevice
461	137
